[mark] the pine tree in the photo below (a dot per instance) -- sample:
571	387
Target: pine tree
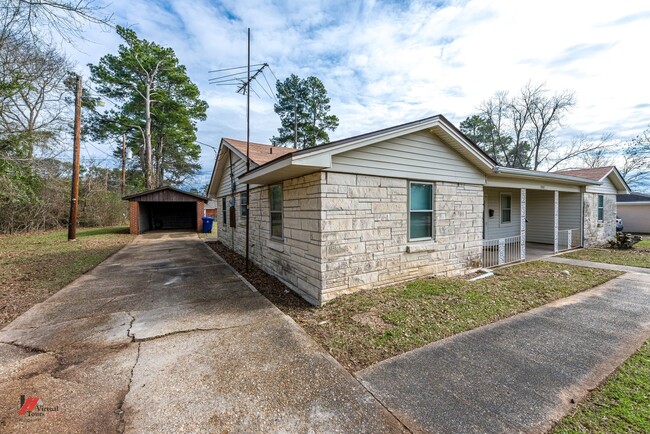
303	107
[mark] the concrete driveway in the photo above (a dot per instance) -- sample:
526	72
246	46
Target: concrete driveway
164	337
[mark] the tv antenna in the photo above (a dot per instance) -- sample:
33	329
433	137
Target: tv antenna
240	76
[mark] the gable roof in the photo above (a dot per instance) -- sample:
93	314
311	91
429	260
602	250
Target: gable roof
259	154
594	173
599	174
159	189
310	160
632	197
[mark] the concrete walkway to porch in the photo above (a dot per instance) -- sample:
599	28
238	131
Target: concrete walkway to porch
521	374
605	266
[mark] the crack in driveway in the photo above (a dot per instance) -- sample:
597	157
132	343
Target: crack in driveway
120	409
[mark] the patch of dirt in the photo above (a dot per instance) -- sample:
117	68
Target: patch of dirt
277	292
372	320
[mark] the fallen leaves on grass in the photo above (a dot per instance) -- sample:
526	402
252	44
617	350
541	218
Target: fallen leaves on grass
366	327
34	266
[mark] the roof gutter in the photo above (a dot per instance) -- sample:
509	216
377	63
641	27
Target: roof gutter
543	175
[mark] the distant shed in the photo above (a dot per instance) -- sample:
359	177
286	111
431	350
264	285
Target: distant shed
165	208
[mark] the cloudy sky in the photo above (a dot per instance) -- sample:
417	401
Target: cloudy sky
385	63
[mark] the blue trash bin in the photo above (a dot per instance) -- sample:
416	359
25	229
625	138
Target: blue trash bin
207	224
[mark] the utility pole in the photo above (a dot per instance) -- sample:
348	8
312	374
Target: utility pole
123	163
74	195
248	144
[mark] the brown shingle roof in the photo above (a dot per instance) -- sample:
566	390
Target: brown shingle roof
260	153
595	174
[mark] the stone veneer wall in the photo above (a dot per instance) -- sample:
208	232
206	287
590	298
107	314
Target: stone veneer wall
296	260
597	233
364	232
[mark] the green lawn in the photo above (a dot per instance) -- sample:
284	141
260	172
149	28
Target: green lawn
34	266
366	327
639	256
621	405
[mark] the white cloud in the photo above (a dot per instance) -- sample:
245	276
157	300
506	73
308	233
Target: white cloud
385	63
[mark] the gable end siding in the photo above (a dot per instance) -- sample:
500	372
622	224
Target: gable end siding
417	156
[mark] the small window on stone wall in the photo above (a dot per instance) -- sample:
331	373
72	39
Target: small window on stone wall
601	207
420	224
244	204
275	201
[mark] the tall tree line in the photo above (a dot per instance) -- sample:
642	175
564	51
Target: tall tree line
521	130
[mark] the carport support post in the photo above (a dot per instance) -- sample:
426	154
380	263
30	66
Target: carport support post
522	231
556	220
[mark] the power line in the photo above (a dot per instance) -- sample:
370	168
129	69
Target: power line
235	67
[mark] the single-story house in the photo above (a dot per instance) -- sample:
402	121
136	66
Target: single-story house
165	208
410	201
634	209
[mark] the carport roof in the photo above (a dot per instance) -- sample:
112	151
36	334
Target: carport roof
156	190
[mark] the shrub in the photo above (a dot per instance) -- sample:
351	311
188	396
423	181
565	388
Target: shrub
624	241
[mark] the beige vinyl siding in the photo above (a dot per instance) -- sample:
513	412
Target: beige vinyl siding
606	188
539	213
239	167
418	156
493	227
636	217
570	211
530	184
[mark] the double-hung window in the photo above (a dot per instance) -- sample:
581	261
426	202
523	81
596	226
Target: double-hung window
275	200
506	208
244	204
601	207
420	224
223	210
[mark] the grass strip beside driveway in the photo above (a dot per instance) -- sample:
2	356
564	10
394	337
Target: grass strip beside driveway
639	256
366	327
620	405
35	266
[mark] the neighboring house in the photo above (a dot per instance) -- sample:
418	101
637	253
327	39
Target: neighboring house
634	209
211	208
414	200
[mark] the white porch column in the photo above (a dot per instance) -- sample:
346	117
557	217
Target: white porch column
522	223
556	220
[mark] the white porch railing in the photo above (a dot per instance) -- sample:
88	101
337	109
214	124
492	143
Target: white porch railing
568	239
501	251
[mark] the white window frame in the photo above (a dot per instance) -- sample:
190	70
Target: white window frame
243	210
598	208
271	211
501	208
432	211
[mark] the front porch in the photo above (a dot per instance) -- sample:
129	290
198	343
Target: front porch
526	224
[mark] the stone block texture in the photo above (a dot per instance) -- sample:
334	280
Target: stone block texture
599	232
295	259
345	232
365	233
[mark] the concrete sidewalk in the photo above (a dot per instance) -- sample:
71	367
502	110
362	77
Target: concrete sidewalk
521	374
603	265
164	337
